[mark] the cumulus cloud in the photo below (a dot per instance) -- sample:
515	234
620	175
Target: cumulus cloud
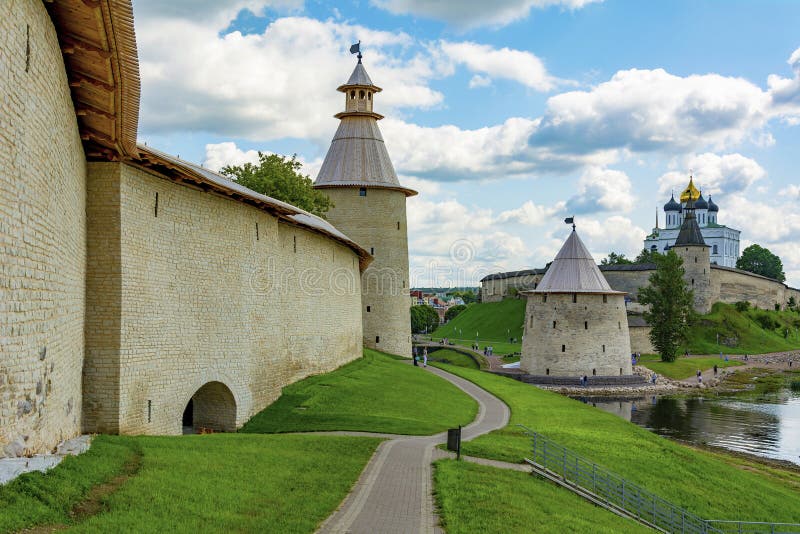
474	13
714	174
505	63
785	92
276	84
602	190
647	110
531	214
791	192
219	155
479	81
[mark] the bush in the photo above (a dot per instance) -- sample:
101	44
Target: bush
742	306
453	311
777	307
766	321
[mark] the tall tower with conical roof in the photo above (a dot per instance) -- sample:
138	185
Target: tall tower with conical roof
692	248
370	207
575	324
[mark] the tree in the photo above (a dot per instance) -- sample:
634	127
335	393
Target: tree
760	260
468	296
646	256
615	259
423	319
453	311
671	312
279	177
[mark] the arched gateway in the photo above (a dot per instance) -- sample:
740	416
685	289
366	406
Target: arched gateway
212	407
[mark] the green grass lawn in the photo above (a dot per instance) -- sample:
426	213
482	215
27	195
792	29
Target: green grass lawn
489	321
453	358
684	367
477	498
707	483
748	328
376	393
213	483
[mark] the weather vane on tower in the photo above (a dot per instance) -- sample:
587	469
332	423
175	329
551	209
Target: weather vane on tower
356	49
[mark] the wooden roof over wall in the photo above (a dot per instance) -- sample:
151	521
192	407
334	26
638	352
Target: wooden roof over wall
99	46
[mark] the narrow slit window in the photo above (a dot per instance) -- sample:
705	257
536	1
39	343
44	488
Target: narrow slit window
604	348
586	325
257	237
362	192
398	225
574	298
377	339
155	209
27	47
594	372
544	298
605	299
369	309
554	324
149	411
563	348
294	243
372	250
531	323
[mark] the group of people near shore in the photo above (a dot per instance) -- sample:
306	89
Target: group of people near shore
421	357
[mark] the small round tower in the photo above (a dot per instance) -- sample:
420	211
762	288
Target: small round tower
575	324
370	208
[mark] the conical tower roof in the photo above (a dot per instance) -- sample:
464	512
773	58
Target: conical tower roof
357	156
574	271
689	233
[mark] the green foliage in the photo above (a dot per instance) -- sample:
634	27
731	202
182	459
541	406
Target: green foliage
467	495
647	256
375	393
615	259
760	260
670	313
451	312
707	483
742	306
742	332
279	177
423	319
791	303
488	321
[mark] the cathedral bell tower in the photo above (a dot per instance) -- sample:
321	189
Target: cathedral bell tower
370	207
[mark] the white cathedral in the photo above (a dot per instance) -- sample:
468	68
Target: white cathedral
724	241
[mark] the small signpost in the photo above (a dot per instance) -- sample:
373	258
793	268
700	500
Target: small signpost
454	441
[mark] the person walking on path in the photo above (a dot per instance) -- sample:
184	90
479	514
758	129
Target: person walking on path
416	356
699	376
715	369
425	357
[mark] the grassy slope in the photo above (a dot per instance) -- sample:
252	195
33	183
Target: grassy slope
215	483
495	321
453	358
706	483
476	498
727	322
684	367
375	393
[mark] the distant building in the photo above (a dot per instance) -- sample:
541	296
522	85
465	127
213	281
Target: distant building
723	241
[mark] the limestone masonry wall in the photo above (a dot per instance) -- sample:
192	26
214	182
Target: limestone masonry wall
42	236
585	337
210	290
377	222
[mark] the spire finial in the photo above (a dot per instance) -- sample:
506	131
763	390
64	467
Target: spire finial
570	220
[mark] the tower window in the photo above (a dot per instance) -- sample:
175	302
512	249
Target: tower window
369	96
156	206
372	250
294	241
531	325
362	192
544	298
605	299
368	309
149	411
716	250
586	325
574	297
256	231
554	324
695	259
352	95
594	372
361	95
604	348
547	371
619	325
377	339
398	225
563	348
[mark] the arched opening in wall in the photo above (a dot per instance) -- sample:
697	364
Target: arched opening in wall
212	408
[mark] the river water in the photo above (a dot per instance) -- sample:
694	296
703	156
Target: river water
767	425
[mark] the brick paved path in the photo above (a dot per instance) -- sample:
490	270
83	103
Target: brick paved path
394	493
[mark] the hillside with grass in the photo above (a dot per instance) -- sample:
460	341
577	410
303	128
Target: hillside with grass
744	330
487	322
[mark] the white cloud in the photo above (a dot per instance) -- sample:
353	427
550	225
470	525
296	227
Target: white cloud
505	63
531	214
474	13
647	110
426	188
613	234
714	174
479	81
785	92
219	155
602	190
277	84
791	192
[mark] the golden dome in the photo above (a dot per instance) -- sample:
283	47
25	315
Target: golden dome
690	191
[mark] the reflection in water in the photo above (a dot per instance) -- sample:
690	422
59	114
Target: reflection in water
766	426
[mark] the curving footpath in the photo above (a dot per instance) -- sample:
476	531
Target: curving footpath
394	492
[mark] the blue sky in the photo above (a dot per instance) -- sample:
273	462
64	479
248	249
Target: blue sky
507	116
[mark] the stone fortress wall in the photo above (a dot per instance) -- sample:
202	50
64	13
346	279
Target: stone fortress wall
42	236
116	308
211	291
377	222
586	334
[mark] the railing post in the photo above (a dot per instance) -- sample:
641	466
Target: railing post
564	465
535	436
623	493
594	478
544	454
